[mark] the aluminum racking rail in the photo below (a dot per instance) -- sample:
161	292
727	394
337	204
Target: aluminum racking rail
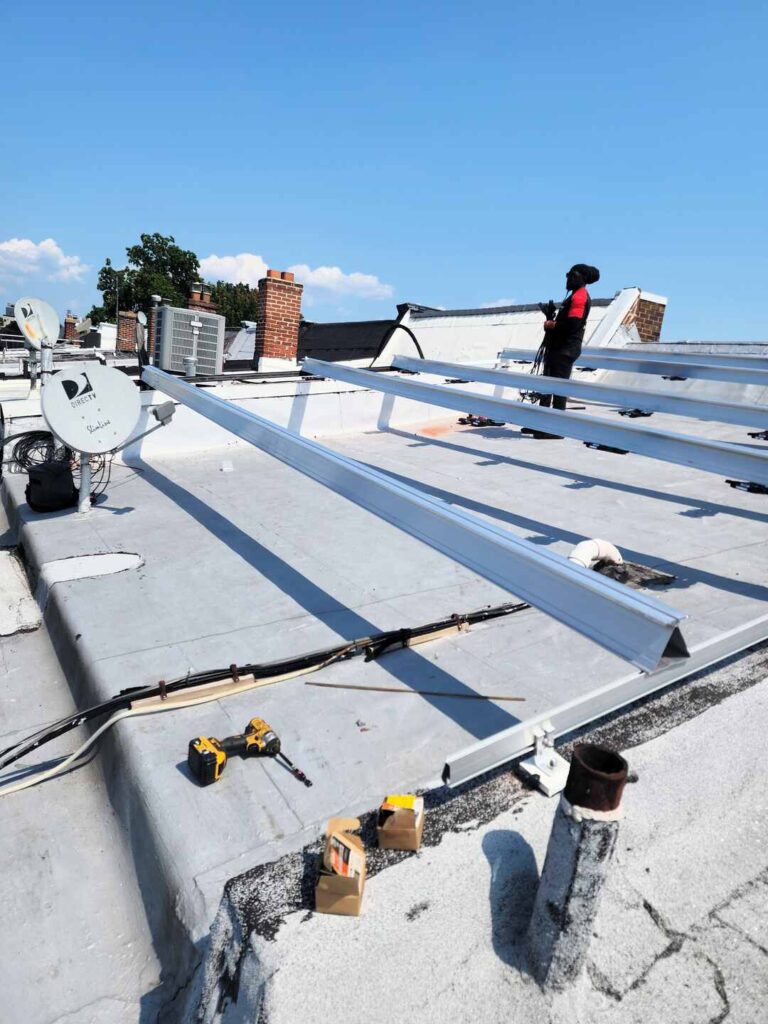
633	625
520	739
660	367
727	460
710	358
745	414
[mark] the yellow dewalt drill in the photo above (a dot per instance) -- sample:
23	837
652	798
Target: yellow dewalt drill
207	756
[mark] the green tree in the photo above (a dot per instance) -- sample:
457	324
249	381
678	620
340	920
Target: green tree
155	267
236	302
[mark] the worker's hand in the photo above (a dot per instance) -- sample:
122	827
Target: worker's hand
548	325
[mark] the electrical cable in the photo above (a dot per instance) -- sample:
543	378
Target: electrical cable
397	325
37	447
57	769
549	310
216	683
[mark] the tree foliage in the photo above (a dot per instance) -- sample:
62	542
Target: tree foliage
155	267
236	302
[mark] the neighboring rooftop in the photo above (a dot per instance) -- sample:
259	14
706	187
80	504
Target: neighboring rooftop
341	342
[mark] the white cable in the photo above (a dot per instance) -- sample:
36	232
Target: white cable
172	705
49	773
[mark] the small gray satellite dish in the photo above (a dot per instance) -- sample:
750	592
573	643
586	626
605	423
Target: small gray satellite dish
141	316
38	322
91	408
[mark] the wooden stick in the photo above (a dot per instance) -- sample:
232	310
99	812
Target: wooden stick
405	689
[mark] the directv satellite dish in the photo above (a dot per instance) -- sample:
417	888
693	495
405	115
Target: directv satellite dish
142	318
91	408
38	322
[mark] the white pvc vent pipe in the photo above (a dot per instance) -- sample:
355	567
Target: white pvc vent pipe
590	552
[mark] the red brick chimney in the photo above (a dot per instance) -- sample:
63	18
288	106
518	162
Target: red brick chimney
126	331
70	320
277	319
647	315
200	298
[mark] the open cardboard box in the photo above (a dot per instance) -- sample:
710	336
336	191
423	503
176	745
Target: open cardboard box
337	892
400	829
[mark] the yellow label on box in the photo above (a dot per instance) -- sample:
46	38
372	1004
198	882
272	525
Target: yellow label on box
406	800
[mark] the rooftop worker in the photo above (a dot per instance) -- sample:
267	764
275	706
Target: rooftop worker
564	335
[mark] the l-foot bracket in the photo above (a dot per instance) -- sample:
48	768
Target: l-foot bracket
546	767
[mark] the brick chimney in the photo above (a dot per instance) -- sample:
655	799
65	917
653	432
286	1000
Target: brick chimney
647	315
277	321
70	320
126	331
200	298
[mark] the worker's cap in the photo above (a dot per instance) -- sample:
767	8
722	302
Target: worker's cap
589	275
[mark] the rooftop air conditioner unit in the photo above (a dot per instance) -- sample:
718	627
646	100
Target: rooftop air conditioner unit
190	334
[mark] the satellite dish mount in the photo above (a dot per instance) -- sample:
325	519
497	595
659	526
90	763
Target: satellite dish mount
39	323
92	409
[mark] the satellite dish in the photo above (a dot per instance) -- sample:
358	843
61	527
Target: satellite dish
142	318
38	322
91	408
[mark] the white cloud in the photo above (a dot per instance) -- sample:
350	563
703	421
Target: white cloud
21	258
250	268
497	302
245	268
333	279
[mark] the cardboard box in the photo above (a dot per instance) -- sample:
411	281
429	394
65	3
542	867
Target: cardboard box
340	885
400	823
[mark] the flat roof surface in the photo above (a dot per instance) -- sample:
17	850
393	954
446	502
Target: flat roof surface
249	561
245	560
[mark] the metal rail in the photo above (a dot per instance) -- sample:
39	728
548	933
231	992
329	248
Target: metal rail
520	739
743	414
727	460
709	358
660	367
633	625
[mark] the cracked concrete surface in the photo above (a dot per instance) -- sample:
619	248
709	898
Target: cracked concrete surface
19	612
681	934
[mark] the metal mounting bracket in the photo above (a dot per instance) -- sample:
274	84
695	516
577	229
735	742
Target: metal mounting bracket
547	767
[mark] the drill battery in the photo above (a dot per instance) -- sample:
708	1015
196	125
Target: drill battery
206	759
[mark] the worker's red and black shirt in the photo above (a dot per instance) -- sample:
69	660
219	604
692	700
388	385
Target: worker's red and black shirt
568	333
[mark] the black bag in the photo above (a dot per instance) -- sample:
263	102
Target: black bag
51	487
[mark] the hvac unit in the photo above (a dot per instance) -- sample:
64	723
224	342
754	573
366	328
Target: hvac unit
184	334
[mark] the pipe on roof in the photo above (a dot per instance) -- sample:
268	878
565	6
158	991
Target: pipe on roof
589	552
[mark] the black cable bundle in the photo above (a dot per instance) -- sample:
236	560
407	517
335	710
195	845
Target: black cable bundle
370	647
549	309
39	454
36	447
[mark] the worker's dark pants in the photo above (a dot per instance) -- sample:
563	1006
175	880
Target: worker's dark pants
557	364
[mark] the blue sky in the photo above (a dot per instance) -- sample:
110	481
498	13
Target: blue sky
452	154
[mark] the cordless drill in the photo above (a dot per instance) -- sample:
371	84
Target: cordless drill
207	756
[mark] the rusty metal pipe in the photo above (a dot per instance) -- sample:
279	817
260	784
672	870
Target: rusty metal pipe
596	778
581	845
